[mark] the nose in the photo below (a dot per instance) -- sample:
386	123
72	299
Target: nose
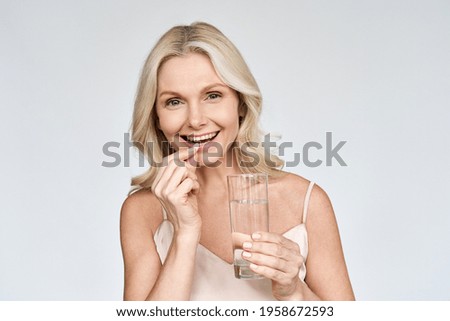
196	118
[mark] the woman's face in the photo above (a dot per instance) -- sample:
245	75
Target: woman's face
194	106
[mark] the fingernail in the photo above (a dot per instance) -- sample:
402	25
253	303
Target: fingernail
256	236
246	254
247	245
253	266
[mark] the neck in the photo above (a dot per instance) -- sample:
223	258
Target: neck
217	175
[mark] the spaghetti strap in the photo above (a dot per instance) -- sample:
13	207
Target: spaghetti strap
164	213
306	201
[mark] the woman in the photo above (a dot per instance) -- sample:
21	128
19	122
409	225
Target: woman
197	104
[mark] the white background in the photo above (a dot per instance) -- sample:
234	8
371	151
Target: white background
374	73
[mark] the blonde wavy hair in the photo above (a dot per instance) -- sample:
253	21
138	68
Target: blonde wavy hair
231	68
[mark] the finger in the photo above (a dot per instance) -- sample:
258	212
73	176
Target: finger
275	238
185	153
185	157
184	189
192	161
178	175
289	268
270	273
276	252
174	161
239	239
269	261
272	249
195	188
191	174
173	179
163	176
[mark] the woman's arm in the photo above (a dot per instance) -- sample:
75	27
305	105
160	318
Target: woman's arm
145	277
175	187
327	275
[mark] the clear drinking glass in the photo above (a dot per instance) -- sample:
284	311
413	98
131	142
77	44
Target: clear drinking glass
249	213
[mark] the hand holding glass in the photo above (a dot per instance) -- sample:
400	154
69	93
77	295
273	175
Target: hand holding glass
249	213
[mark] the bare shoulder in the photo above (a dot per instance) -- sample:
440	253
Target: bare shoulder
293	185
292	189
143	207
289	182
139	199
319	198
286	199
320	209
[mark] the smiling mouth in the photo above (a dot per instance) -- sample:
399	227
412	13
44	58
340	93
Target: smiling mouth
200	139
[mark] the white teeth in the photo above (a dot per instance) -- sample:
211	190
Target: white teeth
203	137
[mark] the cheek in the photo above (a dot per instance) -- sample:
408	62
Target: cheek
232	122
227	118
169	125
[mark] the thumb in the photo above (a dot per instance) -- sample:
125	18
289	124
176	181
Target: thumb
192	160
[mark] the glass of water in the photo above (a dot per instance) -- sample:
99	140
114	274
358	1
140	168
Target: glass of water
249	213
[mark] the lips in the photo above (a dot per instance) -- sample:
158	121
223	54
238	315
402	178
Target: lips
199	139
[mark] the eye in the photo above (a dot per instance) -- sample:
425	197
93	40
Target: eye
173	102
214	95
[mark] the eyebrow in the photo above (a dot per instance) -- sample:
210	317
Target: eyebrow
207	88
